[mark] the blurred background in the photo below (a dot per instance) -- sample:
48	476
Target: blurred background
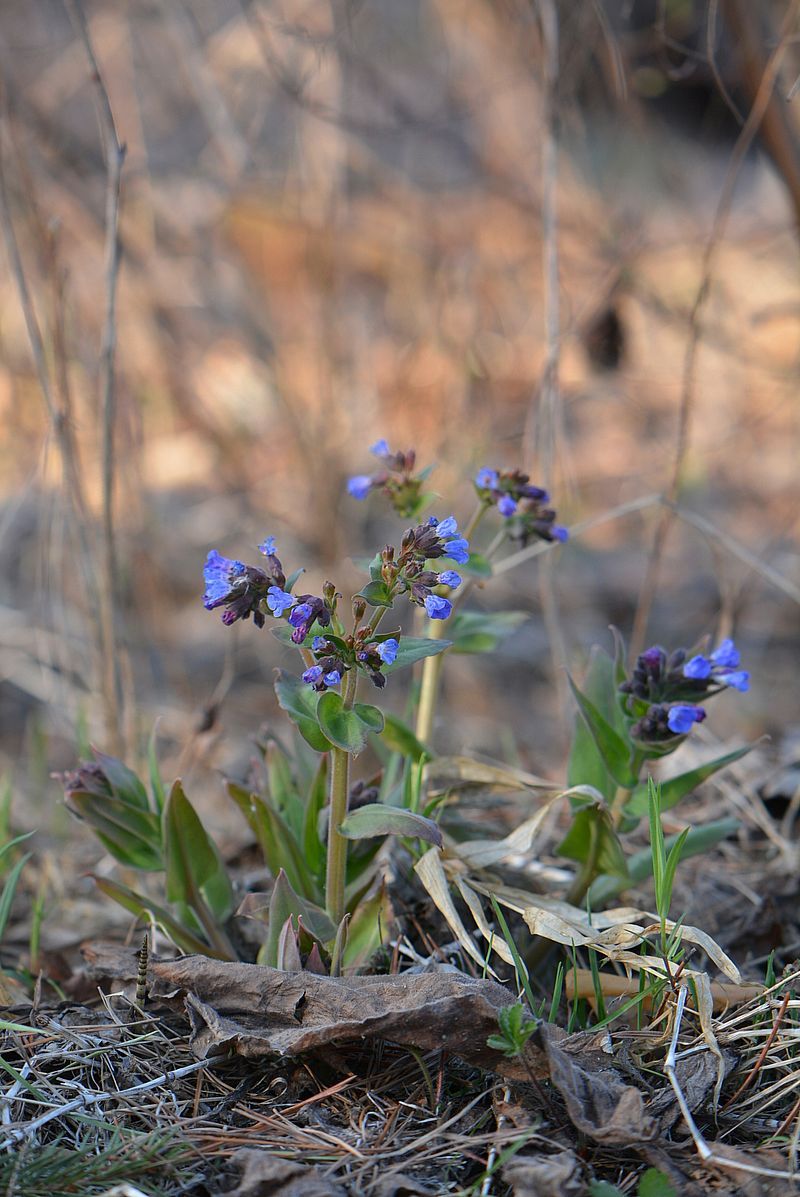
551	235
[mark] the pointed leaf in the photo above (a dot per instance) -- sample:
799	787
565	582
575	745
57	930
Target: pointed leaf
370	716
368	928
376	819
123	781
400	738
313	846
192	861
592	837
285	903
676	788
275	839
411	649
377	593
615	751
141	906
640	864
299	701
131	835
342	727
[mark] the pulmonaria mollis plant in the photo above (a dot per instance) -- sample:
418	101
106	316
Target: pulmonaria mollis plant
524	506
395	479
664	689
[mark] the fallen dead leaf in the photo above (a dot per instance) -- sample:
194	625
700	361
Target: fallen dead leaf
261	1011
544	1175
599	1103
265	1175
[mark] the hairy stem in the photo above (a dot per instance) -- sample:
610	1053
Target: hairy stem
336	869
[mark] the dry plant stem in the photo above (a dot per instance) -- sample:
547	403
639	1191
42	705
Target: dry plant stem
336	866
115	155
743	143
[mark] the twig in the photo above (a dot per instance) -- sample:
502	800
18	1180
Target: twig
115	155
743	143
92	1099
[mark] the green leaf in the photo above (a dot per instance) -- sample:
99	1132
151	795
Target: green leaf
376	819
377	593
313	846
130	834
293	577
342	727
615	750
400	738
124	783
156	784
654	1183
141	906
285	903
370	716
592	838
278	846
299	701
9	890
375	568
284	797
192	862
586	764
367	930
602	1188
676	788
410	650
640	864
482	631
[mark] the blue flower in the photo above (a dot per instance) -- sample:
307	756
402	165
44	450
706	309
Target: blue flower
447	528
738	679
449	577
726	656
720	667
506	506
318	643
458	550
313	674
487	479
268	547
437	608
300	615
221	575
359	486
699	667
333	678
381	449
681	717
387	651
559	533
278	600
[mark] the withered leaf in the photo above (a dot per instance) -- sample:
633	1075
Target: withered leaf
262	1011
266	1175
599	1103
544	1175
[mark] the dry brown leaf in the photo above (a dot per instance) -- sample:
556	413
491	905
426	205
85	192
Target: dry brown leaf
262	1011
544	1175
449	770
599	1103
266	1175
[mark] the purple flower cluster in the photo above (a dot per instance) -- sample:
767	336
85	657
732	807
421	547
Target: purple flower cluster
518	501
664	688
395	479
334	656
428	542
245	590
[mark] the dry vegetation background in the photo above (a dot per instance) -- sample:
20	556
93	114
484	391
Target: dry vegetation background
333	227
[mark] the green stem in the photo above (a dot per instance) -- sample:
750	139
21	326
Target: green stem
336	869
432	666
